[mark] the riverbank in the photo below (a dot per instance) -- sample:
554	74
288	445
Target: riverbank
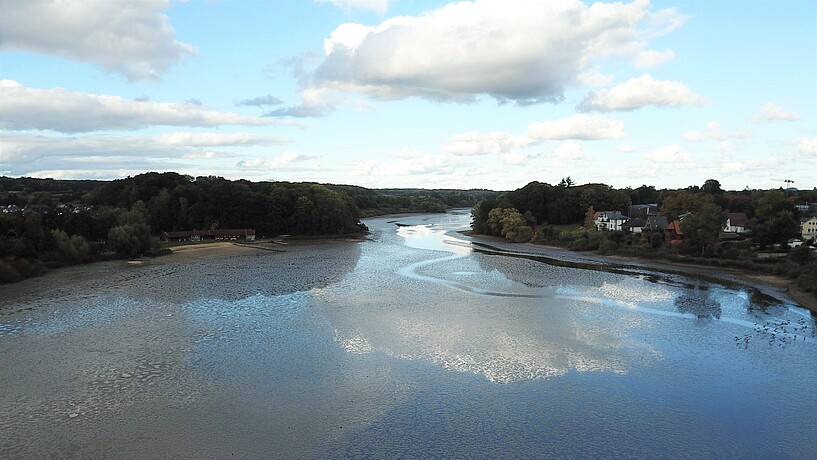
782	289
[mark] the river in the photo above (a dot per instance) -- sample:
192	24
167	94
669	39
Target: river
412	343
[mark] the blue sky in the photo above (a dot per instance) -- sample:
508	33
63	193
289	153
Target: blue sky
406	93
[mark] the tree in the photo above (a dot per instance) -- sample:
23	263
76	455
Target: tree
590	219
71	249
508	222
712	187
678	203
124	240
702	227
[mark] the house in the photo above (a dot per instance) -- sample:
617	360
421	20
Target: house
634	225
12	208
655	224
643	210
247	234
38	208
673	233
736	222
808	227
609	220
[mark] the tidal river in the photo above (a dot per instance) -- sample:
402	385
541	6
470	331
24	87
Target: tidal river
416	342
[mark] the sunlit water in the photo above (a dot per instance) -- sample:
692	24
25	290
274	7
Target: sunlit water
410	344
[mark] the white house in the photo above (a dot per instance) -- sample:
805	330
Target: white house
609	220
735	222
808	227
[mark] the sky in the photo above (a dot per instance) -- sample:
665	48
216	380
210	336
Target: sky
411	93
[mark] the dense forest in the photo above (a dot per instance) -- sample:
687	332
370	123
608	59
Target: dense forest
49	223
564	215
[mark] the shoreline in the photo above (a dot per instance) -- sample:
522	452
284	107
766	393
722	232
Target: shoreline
780	288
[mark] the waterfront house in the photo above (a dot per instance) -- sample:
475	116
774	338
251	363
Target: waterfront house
735	222
247	234
808	227
673	233
609	220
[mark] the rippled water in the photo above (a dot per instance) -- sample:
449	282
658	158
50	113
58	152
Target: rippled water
410	344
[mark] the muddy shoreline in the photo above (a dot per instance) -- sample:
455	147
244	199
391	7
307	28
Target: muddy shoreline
779	288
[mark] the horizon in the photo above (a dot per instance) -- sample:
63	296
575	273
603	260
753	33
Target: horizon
424	94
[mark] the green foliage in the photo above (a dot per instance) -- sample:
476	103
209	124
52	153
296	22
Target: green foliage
72	249
681	202
509	223
125	240
702	227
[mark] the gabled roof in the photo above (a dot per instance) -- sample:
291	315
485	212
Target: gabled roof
675	226
635	222
737	219
617	215
656	223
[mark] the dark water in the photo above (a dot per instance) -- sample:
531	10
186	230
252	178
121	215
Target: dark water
410	344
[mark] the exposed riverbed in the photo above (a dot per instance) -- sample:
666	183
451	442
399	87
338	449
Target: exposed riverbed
414	342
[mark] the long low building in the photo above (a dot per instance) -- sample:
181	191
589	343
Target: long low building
218	235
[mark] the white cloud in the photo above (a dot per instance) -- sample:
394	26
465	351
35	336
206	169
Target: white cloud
379	6
493	143
650	58
578	127
569	150
216	139
65	111
641	92
131	38
199	155
526	51
714	132
406	163
282	161
773	112
25	150
513	159
668	154
807	147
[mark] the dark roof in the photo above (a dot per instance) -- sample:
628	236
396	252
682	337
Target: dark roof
635	222
737	219
656	222
613	215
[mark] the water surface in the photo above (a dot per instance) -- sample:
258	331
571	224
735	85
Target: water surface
411	343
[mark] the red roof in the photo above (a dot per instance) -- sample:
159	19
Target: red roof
737	219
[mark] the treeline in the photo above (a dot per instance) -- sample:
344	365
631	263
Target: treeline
376	202
563	215
49	223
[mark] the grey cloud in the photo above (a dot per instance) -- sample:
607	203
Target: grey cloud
262	101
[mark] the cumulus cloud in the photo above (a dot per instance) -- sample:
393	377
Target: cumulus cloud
379	6
668	154
67	111
773	112
25	149
524	51
577	127
130	38
641	92
650	58
282	161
